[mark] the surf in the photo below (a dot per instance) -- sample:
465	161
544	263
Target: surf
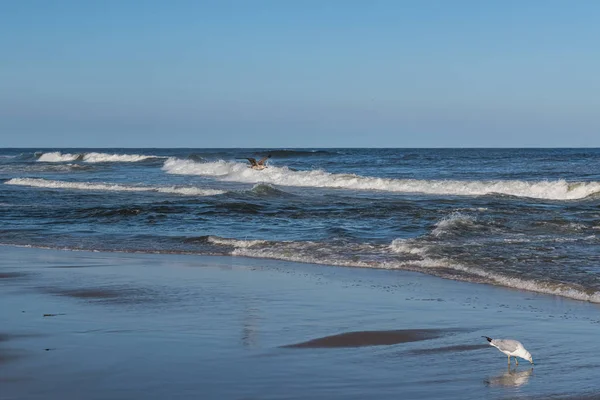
113	187
318	178
93	157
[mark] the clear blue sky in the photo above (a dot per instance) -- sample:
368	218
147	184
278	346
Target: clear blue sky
302	73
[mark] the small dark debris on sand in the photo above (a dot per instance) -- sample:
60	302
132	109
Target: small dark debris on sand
370	338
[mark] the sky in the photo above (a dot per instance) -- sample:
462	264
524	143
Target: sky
300	73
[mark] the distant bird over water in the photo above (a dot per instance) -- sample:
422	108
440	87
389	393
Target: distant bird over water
258	165
512	348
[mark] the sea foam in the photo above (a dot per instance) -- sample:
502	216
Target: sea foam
318	253
239	172
58	157
93	157
52	184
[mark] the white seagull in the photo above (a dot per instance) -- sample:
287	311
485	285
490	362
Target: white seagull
511	348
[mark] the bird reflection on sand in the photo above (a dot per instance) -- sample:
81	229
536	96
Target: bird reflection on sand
510	378
250	322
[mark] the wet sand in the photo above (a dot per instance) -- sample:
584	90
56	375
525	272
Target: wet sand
369	338
79	325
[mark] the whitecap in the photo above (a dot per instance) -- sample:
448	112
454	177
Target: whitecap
52	184
239	172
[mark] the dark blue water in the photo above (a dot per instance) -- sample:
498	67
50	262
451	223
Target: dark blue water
524	218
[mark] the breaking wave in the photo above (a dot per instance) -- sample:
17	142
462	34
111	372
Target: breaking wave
59	157
93	157
452	223
374	256
45	167
239	172
234	242
103	157
51	184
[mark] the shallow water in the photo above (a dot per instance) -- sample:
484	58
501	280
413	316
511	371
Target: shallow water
165	326
522	218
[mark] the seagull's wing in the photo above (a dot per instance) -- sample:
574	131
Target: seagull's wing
506	344
252	161
262	160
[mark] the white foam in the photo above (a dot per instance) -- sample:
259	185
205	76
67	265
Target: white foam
516	240
234	242
190	167
103	157
93	157
554	288
406	246
453	221
45	183
57	156
316	253
239	172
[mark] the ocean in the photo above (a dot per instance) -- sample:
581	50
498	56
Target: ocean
520	218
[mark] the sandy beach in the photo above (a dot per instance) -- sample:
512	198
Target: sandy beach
77	325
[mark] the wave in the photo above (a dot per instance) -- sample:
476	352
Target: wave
319	253
51	184
57	156
103	157
44	167
93	157
239	172
456	222
234	242
266	190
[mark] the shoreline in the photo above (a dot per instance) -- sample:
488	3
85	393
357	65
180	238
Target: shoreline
147	326
518	284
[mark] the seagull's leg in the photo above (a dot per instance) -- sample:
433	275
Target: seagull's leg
508	360
516	361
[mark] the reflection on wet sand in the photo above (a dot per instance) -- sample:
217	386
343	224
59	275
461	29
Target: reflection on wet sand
123	294
250	322
11	275
510	378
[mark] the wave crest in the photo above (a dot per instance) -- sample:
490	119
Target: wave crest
51	184
453	223
239	172
104	157
93	157
318	253
234	242
57	156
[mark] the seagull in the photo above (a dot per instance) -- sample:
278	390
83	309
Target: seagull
260	164
511	348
